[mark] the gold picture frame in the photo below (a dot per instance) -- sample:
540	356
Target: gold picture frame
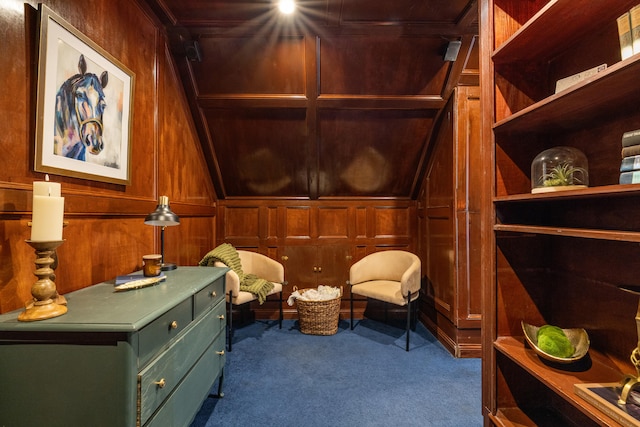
84	106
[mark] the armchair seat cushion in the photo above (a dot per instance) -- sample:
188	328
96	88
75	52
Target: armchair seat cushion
244	297
383	290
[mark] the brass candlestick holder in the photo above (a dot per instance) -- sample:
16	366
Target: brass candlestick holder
630	382
46	303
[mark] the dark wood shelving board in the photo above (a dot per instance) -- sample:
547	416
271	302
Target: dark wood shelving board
610	92
602	370
621	236
627	190
557	20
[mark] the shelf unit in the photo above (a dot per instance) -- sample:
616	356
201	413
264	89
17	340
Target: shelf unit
558	258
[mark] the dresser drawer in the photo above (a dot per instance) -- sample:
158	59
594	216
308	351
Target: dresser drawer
208	297
162	330
186	399
163	374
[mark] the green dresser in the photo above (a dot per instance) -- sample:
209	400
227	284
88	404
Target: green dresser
145	357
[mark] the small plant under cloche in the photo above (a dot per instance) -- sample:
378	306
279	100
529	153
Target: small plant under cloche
559	168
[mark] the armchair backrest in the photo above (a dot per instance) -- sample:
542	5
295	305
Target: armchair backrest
392	265
262	266
253	263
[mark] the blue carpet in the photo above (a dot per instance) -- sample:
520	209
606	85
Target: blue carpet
281	377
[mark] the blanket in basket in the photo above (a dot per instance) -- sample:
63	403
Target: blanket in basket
227	254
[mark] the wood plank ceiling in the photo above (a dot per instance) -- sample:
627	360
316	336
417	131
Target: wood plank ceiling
338	100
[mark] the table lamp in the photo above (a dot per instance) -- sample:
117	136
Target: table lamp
163	217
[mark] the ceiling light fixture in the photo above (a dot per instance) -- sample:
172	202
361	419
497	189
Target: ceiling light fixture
287	6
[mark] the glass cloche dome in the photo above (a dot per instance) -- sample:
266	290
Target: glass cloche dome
559	168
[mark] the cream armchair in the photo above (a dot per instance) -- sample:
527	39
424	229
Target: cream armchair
263	267
391	276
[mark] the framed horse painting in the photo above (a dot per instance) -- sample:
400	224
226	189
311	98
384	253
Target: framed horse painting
83	117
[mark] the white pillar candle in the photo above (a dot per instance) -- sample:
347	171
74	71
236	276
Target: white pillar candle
46	188
48	212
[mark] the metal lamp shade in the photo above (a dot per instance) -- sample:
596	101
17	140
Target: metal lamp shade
163	217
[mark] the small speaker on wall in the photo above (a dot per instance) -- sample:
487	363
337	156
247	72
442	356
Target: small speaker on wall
192	50
452	50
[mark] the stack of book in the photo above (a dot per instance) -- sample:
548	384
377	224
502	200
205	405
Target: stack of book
629	32
630	165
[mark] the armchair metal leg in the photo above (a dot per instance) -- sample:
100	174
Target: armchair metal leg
351	309
414	320
280	318
408	318
230	322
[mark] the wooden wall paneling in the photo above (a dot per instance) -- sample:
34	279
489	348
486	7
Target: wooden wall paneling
262	151
357	65
402	10
266	147
18	262
468	208
251	65
200	232
271	225
314	176
241	222
451	232
392	221
361	222
439	268
181	163
511	17
469	295
129	238
333	222
18	102
370	152
297	223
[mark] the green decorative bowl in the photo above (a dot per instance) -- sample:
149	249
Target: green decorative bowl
577	336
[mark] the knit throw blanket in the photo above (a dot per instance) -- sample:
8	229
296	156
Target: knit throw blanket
227	254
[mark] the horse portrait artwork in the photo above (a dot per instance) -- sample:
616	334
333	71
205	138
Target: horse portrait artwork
79	108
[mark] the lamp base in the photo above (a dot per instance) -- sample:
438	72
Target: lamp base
168	266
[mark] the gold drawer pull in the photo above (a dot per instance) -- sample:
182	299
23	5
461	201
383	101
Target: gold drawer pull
221	317
213	294
220	353
174	325
285	258
160	383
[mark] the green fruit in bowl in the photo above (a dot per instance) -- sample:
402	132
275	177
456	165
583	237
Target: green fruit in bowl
552	340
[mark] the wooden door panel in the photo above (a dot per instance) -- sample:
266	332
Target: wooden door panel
298	264
334	261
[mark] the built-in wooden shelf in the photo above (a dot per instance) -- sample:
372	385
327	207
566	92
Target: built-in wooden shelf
627	190
609	92
601	370
537	273
621	236
557	20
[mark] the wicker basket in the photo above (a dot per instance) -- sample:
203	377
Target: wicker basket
318	317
